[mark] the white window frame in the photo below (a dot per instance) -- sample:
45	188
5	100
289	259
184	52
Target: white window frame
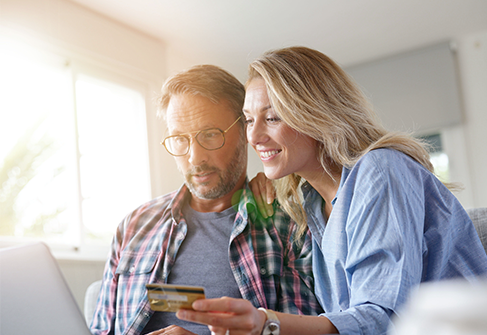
82	62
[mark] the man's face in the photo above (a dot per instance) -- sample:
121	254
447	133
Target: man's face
208	174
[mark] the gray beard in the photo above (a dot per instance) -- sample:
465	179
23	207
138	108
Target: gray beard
228	178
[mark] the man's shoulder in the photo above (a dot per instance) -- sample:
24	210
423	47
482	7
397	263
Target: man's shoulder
153	210
158	203
280	221
248	206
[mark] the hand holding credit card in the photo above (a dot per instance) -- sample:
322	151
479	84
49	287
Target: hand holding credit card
170	298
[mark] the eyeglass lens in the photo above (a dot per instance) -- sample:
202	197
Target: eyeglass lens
209	139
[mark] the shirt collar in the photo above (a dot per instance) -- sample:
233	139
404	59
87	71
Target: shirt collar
243	202
309	192
179	199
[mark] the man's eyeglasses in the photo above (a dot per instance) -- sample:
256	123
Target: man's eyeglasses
209	139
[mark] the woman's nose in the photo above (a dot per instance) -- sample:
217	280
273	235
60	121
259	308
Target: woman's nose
256	134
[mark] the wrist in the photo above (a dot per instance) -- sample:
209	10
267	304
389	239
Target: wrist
262	320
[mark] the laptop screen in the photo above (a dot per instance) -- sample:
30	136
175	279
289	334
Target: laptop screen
34	297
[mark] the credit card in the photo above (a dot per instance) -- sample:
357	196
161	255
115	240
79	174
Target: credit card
170	298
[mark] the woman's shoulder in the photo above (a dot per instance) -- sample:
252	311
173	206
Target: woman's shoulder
386	159
381	166
386	154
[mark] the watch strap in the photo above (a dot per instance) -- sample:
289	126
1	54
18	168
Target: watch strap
272	324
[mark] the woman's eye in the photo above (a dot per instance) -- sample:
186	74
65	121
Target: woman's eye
248	121
273	119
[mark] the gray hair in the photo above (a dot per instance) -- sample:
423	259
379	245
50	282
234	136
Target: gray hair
208	81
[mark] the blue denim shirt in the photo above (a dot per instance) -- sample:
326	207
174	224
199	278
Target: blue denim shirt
393	226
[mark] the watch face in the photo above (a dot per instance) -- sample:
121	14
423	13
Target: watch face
273	328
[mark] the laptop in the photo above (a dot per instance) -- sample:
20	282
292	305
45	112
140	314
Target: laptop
34	296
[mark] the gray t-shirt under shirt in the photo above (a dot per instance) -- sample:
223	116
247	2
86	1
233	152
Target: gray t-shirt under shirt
202	260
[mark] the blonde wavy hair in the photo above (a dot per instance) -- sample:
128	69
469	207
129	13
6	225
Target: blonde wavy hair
315	97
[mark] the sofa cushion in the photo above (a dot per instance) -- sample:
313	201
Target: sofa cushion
479	219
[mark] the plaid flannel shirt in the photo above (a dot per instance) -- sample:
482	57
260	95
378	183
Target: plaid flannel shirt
270	269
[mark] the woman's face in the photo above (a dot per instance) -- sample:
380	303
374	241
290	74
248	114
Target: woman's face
282	149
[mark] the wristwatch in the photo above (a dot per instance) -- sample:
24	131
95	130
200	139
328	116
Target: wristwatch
272	324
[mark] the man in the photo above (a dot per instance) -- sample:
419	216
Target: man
208	233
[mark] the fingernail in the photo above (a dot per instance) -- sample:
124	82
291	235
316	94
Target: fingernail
270	211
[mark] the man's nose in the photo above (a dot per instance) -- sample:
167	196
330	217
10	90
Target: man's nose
197	154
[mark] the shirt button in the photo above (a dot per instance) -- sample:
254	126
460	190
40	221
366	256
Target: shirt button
263	271
132	269
146	314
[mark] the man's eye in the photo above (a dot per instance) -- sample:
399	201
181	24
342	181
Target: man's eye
179	139
212	133
248	121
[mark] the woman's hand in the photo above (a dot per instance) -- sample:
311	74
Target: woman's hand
264	194
222	314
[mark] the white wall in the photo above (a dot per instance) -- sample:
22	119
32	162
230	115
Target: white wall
472	52
76	28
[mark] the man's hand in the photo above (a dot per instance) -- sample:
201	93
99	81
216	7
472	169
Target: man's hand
226	316
264	194
172	330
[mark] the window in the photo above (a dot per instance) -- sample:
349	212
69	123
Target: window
438	157
73	149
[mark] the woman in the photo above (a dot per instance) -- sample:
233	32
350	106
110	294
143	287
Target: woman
382	223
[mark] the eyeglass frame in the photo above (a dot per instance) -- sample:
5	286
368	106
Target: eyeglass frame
189	137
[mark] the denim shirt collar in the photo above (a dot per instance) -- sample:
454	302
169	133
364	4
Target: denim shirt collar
309	193
313	206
